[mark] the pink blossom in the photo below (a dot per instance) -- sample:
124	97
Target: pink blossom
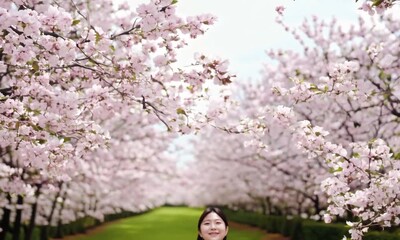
160	61
280	9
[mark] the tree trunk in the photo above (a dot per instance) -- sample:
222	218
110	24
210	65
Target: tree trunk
263	207
316	204
59	232
269	206
5	221
29	229
44	230
18	217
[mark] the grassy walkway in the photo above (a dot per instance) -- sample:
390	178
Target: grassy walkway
160	224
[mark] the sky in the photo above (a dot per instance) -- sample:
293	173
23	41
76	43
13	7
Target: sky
245	29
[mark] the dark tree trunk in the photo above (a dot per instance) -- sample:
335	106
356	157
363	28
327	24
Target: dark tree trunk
29	228
5	221
44	230
316	204
18	217
269	205
59	232
263	207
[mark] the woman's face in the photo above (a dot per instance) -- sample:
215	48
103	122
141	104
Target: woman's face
213	227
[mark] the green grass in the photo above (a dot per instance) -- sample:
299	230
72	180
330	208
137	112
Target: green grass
167	223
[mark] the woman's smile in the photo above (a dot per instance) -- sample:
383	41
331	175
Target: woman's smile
213	227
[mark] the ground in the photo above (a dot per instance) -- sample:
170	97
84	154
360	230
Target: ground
268	236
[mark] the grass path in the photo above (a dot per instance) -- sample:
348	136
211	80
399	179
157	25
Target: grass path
177	223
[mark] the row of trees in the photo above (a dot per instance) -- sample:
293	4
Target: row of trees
91	97
321	127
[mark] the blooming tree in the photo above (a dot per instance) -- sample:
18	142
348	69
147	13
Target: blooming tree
377	6
256	164
339	100
344	91
71	80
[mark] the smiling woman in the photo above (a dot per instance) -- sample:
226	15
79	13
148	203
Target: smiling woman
212	225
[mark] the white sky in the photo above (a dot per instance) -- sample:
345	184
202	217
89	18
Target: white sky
245	29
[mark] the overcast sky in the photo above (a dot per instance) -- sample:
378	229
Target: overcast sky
245	29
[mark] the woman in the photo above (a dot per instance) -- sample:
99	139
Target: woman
212	225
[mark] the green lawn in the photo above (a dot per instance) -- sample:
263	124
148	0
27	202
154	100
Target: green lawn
167	223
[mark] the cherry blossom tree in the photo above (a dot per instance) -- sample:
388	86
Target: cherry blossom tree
256	163
377	6
336	101
71	81
343	90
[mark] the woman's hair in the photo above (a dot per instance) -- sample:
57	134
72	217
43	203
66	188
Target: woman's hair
205	213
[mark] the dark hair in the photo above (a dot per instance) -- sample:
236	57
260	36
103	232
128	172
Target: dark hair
205	213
